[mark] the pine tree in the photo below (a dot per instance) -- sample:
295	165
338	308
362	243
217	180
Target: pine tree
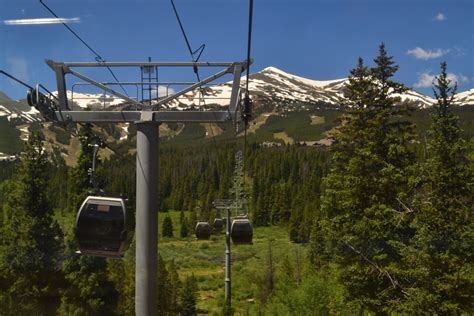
181	217
167	227
88	290
30	240
122	274
184	231
80	181
440	259
294	225
359	226
174	288
267	283
162	285
189	296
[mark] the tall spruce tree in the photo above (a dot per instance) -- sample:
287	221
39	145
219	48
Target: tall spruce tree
167	227
189	296
358	226
174	288
184	230
30	240
89	291
440	260
162	284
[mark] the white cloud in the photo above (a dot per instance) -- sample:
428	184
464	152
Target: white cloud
420	53
440	17
162	91
459	78
426	79
18	66
41	21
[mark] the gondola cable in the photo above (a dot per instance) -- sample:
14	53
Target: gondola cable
194	59
98	58
247	100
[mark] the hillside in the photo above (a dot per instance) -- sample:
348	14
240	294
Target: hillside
287	109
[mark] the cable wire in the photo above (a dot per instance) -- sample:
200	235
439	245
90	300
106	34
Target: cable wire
191	52
198	51
247	101
16	79
98	58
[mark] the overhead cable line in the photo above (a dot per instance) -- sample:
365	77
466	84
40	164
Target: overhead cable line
199	52
98	58
247	101
191	52
16	79
249	47
30	88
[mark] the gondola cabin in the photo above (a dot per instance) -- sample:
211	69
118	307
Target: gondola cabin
101	227
218	224
241	231
202	230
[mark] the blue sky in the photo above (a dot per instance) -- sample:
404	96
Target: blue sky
317	39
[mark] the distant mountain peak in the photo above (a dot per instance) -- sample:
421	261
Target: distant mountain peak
311	82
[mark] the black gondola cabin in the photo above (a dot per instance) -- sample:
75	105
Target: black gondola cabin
218	224
101	227
202	230
241	231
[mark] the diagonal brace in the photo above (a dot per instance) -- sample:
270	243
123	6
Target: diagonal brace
104	87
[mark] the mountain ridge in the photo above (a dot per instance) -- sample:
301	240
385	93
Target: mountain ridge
276	94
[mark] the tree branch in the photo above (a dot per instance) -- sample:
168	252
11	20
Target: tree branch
394	281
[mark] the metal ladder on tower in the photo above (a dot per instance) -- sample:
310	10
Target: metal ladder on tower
149	76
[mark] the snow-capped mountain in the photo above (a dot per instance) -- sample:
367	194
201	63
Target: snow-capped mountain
270	86
91	100
464	98
275	83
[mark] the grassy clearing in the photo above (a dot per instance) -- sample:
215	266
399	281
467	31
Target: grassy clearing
317	120
257	123
206	260
212	129
299	125
284	137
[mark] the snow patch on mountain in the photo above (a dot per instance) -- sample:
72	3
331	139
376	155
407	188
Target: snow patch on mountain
20	116
91	100
422	101
272	71
465	98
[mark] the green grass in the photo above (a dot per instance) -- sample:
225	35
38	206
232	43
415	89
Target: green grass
205	259
297	125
